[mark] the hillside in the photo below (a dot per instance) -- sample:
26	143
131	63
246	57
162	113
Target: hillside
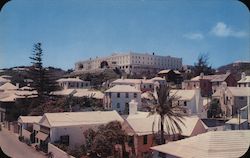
21	73
236	68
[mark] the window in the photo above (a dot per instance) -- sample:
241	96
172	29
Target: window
241	98
118	95
126	95
130	140
185	103
145	139
118	105
126	104
135	95
64	140
150	86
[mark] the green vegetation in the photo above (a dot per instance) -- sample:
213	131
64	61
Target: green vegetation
202	66
44	81
100	143
214	110
164	107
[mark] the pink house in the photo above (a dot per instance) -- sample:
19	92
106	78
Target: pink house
142	130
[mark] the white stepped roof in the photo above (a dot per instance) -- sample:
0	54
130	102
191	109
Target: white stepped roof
240	91
4	79
70	80
235	121
123	88
79	118
223	144
64	92
244	80
142	124
89	93
183	94
8	86
29	119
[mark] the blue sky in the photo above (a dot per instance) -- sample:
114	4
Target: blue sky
73	30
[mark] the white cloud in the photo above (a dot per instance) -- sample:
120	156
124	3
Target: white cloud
222	30
194	36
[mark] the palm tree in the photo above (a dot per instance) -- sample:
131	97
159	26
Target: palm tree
168	112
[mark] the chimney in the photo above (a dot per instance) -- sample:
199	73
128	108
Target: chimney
122	77
228	72
77	77
224	85
248	104
17	85
144	78
201	75
198	100
243	76
156	85
133	107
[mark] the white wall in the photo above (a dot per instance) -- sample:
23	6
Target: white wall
58	153
76	137
133	59
123	100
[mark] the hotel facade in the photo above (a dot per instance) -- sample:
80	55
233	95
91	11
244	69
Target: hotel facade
131	63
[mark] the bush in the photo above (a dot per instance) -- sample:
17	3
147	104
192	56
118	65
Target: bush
21	138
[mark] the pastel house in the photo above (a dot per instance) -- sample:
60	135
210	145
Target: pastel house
118	98
68	127
142	129
75	83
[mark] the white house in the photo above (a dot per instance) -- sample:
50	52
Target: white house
26	126
244	81
232	99
8	87
3	80
160	80
141	84
118	98
68	127
69	83
191	100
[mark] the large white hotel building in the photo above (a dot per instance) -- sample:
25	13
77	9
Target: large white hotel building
131	63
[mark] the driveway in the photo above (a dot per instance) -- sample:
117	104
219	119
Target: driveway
16	149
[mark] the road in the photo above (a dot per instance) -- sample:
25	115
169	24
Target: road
16	149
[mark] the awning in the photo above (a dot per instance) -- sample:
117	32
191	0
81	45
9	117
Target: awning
42	136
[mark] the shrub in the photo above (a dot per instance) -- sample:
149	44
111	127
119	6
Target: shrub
21	138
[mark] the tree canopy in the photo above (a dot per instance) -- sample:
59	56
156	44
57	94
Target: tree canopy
164	106
202	66
44	80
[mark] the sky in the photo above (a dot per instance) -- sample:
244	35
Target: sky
74	30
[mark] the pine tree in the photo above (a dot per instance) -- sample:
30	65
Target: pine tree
37	71
44	79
